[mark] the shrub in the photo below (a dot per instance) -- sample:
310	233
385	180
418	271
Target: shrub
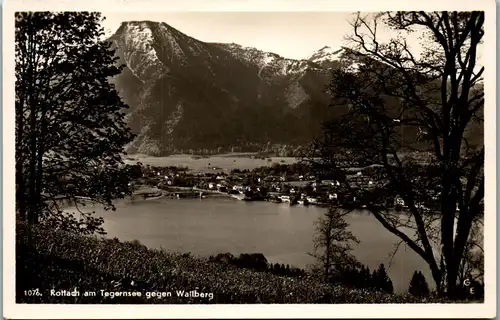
62	260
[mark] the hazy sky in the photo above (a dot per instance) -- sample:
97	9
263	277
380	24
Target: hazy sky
289	34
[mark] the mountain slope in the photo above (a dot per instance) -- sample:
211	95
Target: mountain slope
188	94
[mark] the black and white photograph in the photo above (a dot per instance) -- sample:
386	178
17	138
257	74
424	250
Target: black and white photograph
332	161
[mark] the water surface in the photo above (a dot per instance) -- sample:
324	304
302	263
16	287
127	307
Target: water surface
283	233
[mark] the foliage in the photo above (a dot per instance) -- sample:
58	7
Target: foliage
416	117
280	169
257	262
332	243
418	285
70	127
359	276
381	280
65	261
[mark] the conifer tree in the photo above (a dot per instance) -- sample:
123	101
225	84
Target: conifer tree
418	285
381	280
367	277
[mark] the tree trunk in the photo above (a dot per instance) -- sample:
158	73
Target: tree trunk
32	149
437	276
39	163
328	243
451	281
327	262
20	182
32	198
448	209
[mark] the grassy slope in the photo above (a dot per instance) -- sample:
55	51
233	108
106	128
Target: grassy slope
60	260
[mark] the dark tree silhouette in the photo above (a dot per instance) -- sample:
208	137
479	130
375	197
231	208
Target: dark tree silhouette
418	118
332	244
418	285
381	280
70	127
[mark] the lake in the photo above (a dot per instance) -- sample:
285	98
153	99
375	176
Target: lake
283	233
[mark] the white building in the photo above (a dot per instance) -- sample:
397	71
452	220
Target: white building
285	198
312	200
332	196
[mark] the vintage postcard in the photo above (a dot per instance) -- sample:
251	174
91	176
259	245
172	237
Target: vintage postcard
204	159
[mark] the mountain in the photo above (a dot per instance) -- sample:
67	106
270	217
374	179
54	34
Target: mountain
188	94
326	56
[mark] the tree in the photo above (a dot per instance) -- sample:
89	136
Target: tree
418	117
367	277
418	285
472	266
332	244
70	127
381	280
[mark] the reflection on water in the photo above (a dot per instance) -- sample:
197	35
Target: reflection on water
283	233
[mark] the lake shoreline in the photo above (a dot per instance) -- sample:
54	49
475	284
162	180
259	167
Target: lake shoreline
283	233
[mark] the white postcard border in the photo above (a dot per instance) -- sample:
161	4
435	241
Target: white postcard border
13	310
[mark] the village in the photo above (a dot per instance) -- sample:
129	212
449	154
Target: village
280	183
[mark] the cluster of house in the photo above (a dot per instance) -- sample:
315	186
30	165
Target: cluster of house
260	185
253	185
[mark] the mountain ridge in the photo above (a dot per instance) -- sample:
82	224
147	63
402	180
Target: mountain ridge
185	94
174	82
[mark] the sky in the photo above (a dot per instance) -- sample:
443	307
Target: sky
293	35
